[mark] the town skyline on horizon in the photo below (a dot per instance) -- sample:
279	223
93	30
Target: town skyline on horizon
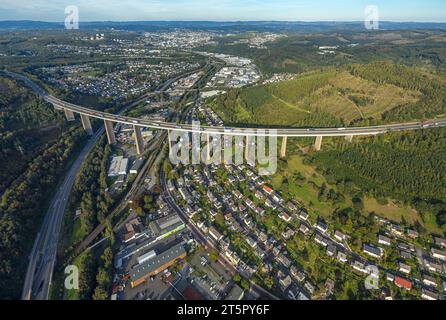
224	11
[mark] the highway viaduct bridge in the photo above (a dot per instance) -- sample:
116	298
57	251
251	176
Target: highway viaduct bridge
318	133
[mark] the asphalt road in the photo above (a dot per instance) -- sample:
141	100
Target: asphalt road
205	240
43	256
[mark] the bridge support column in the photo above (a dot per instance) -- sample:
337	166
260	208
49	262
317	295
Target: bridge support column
69	114
169	142
250	152
283	149
318	143
110	130
138	140
208	148
86	124
349	138
246	148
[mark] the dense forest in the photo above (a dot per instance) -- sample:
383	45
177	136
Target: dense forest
89	194
26	125
22	207
89	190
409	167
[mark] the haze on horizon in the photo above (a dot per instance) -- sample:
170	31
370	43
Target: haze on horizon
224	10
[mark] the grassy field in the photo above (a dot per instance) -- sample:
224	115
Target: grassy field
78	233
305	192
392	211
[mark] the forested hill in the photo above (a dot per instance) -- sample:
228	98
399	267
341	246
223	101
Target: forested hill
34	154
359	94
26	124
410	167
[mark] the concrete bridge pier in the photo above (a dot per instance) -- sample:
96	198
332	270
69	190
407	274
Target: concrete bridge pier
69	114
208	148
250	150
318	143
283	149
86	124
349	138
110	130
138	140
169	142
246	148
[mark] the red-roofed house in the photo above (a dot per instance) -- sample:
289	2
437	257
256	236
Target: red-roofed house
267	189
403	283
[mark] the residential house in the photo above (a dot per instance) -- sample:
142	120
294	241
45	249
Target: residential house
304	229
331	250
284	260
322	226
251	242
413	234
397	230
403	283
296	274
309	287
288	234
321	240
285	216
359	266
340	236
217	236
390	277
441	242
433	266
291	206
429	281
341	257
438	254
372	251
285	282
303	214
384	240
404	268
427	294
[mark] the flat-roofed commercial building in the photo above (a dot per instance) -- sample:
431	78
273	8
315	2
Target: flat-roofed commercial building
169	221
156	264
118	166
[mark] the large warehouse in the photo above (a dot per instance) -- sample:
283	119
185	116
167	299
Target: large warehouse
156	264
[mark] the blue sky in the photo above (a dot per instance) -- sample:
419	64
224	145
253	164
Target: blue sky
223	10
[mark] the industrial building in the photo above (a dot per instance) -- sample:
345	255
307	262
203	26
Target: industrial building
152	264
118	166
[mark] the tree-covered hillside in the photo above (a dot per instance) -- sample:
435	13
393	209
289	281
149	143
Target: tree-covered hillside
374	93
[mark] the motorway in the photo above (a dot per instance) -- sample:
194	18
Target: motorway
43	256
278	132
44	252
